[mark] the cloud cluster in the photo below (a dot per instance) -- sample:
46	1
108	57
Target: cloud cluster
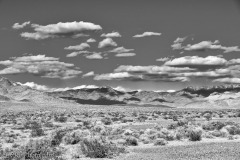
75	29
40	65
203	46
180	69
147	34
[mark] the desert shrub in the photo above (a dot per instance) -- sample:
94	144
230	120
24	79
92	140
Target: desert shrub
57	136
232	129
98	147
142	118
106	120
36	129
182	122
210	126
170	136
160	142
40	148
208	116
131	141
172	126
207	135
49	124
216	133
175	118
195	134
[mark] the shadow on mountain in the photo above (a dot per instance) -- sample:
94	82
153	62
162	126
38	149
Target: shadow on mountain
132	99
159	100
100	101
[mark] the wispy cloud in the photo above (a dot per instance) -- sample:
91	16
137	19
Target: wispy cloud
147	34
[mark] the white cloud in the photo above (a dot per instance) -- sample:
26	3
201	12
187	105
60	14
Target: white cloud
162	59
195	60
76	53
227	80
80	35
94	55
60	29
125	54
35	86
151	69
91	40
177	44
81	46
111	35
40	65
121	50
147	34
20	26
108	42
73	88
113	76
89	74
204	45
36	35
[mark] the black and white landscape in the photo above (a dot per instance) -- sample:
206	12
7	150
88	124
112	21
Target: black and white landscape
125	80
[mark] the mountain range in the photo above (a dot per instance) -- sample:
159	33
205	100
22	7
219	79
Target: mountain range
224	96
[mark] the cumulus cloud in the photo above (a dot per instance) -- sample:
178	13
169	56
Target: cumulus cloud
147	34
40	65
89	74
125	54
111	35
76	53
120	50
195	60
60	29
20	26
94	55
177	44
81	46
108	42
91	40
162	59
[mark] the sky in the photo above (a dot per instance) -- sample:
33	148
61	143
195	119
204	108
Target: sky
129	44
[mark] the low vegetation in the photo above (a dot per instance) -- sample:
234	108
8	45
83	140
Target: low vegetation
97	134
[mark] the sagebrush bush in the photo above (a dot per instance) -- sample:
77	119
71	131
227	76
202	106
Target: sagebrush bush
195	134
36	129
160	142
99	147
131	141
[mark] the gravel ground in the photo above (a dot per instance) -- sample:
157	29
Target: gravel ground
202	151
